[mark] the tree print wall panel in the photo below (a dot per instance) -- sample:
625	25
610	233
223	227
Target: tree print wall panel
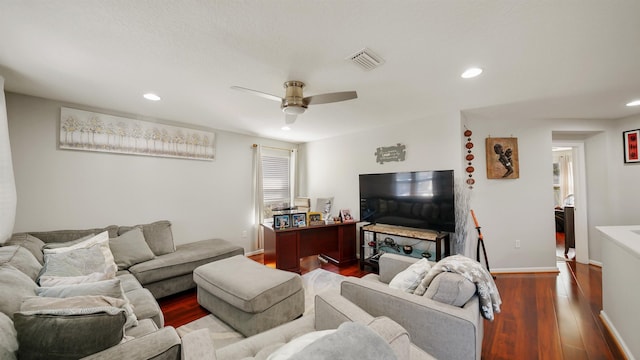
90	131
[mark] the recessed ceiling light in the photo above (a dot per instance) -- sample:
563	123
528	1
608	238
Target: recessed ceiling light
471	73
634	103
286	128
151	96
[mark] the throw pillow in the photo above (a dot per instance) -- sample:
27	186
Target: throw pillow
70	328
90	260
352	340
451	288
409	279
130	248
8	338
31	243
294	346
158	236
57	245
20	258
14	287
109	288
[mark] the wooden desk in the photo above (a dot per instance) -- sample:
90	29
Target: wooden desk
335	242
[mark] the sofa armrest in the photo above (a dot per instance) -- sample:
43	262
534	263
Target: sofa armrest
391	264
442	330
161	344
197	345
332	309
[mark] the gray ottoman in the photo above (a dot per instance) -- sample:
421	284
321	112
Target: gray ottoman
249	296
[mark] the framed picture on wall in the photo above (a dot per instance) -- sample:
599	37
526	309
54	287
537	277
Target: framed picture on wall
630	141
502	158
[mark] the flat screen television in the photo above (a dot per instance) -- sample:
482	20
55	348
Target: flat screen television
419	199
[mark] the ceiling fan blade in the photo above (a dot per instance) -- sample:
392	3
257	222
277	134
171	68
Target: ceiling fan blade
290	118
259	93
330	97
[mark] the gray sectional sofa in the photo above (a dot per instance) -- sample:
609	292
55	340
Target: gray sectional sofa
149	266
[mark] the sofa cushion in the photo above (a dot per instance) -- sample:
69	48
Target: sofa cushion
68	328
109	288
22	259
14	287
69	235
29	242
451	288
130	248
8	338
352	340
129	282
409	279
184	260
158	236
90	260
145	306
58	245
296	345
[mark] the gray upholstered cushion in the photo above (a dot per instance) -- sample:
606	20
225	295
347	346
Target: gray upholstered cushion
22	259
44	335
31	243
69	235
130	248
14	287
129	282
158	236
451	288
351	341
246	284
8	338
145	306
184	261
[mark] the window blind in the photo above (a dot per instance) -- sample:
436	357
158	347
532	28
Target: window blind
275	179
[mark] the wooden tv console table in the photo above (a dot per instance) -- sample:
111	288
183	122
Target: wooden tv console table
334	242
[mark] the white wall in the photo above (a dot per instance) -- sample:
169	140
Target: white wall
60	189
624	177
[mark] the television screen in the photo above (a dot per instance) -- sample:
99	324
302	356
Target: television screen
419	199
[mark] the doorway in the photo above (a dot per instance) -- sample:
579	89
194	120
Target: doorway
570	208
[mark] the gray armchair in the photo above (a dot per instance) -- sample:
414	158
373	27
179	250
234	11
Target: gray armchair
450	327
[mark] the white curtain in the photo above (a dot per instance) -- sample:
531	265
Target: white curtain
293	170
258	201
566	177
8	196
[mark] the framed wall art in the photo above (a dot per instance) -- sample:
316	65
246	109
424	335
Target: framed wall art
502	158
90	131
630	141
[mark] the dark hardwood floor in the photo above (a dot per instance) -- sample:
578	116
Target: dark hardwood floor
544	315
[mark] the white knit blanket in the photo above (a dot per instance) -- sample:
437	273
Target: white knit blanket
473	271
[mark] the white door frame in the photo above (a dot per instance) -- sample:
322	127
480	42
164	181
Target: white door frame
580	196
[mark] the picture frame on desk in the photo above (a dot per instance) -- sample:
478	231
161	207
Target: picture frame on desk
299	220
314	218
281	222
345	215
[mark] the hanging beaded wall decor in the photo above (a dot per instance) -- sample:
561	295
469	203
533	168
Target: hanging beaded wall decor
469	157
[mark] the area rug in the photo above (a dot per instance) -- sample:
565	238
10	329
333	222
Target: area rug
313	282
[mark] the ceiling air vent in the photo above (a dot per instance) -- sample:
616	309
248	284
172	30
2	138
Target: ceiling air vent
366	59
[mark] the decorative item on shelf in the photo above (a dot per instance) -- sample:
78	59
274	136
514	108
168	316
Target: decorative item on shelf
282	221
299	220
502	158
390	153
630	139
314	218
345	215
469	157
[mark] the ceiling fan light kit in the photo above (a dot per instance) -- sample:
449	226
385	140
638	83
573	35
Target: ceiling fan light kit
294	103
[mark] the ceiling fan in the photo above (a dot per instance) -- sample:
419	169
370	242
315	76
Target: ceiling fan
294	103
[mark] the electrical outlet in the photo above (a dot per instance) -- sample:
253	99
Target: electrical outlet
244	234
517	244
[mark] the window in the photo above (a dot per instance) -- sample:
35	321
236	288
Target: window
276	182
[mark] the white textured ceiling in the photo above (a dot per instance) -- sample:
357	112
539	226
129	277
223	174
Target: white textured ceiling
548	59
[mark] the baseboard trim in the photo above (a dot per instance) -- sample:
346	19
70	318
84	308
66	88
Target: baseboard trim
616	335
595	263
254	252
525	270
